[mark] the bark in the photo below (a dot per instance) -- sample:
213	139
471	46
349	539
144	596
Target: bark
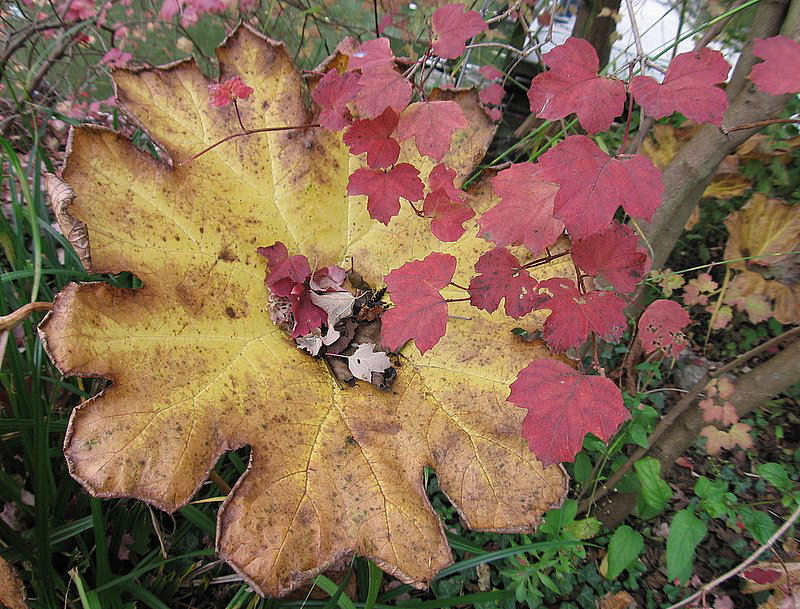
693	168
596	30
753	389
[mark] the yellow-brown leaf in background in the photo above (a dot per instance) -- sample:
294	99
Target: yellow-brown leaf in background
761	229
12	592
197	367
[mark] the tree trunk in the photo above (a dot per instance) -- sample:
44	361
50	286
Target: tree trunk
752	390
694	166
594	29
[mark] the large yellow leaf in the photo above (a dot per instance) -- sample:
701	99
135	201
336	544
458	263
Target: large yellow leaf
197	367
767	230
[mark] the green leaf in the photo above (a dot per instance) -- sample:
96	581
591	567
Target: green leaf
776	475
624	547
655	492
582	468
583	529
759	524
685	532
713	496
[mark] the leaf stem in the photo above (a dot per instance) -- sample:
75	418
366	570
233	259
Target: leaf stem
243	133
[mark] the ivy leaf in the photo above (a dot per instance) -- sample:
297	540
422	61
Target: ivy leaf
420	311
333	92
718	440
593	185
285	272
379	89
688	88
443	178
575	315
614	254
779	73
563	406
524	215
373	137
384	189
493	94
572	85
431	124
660	327
453	25
501	277
685	532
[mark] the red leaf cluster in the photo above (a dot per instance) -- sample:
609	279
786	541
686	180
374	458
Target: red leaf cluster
384	189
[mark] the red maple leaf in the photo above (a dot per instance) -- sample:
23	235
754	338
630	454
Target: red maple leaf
574	315
688	88
284	271
615	254
431	124
453	25
373	137
382	88
419	312
333	92
385	188
780	71
593	185
448	215
524	215
660	327
502	277
563	406
572	85
761	576
375	53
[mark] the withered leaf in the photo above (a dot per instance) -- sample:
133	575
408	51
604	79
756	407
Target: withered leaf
366	360
197	367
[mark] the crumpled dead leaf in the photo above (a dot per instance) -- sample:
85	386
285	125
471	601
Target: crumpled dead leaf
197	367
12	592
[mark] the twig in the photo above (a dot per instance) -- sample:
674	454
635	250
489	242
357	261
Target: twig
636	36
759	124
706	588
15	317
243	133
